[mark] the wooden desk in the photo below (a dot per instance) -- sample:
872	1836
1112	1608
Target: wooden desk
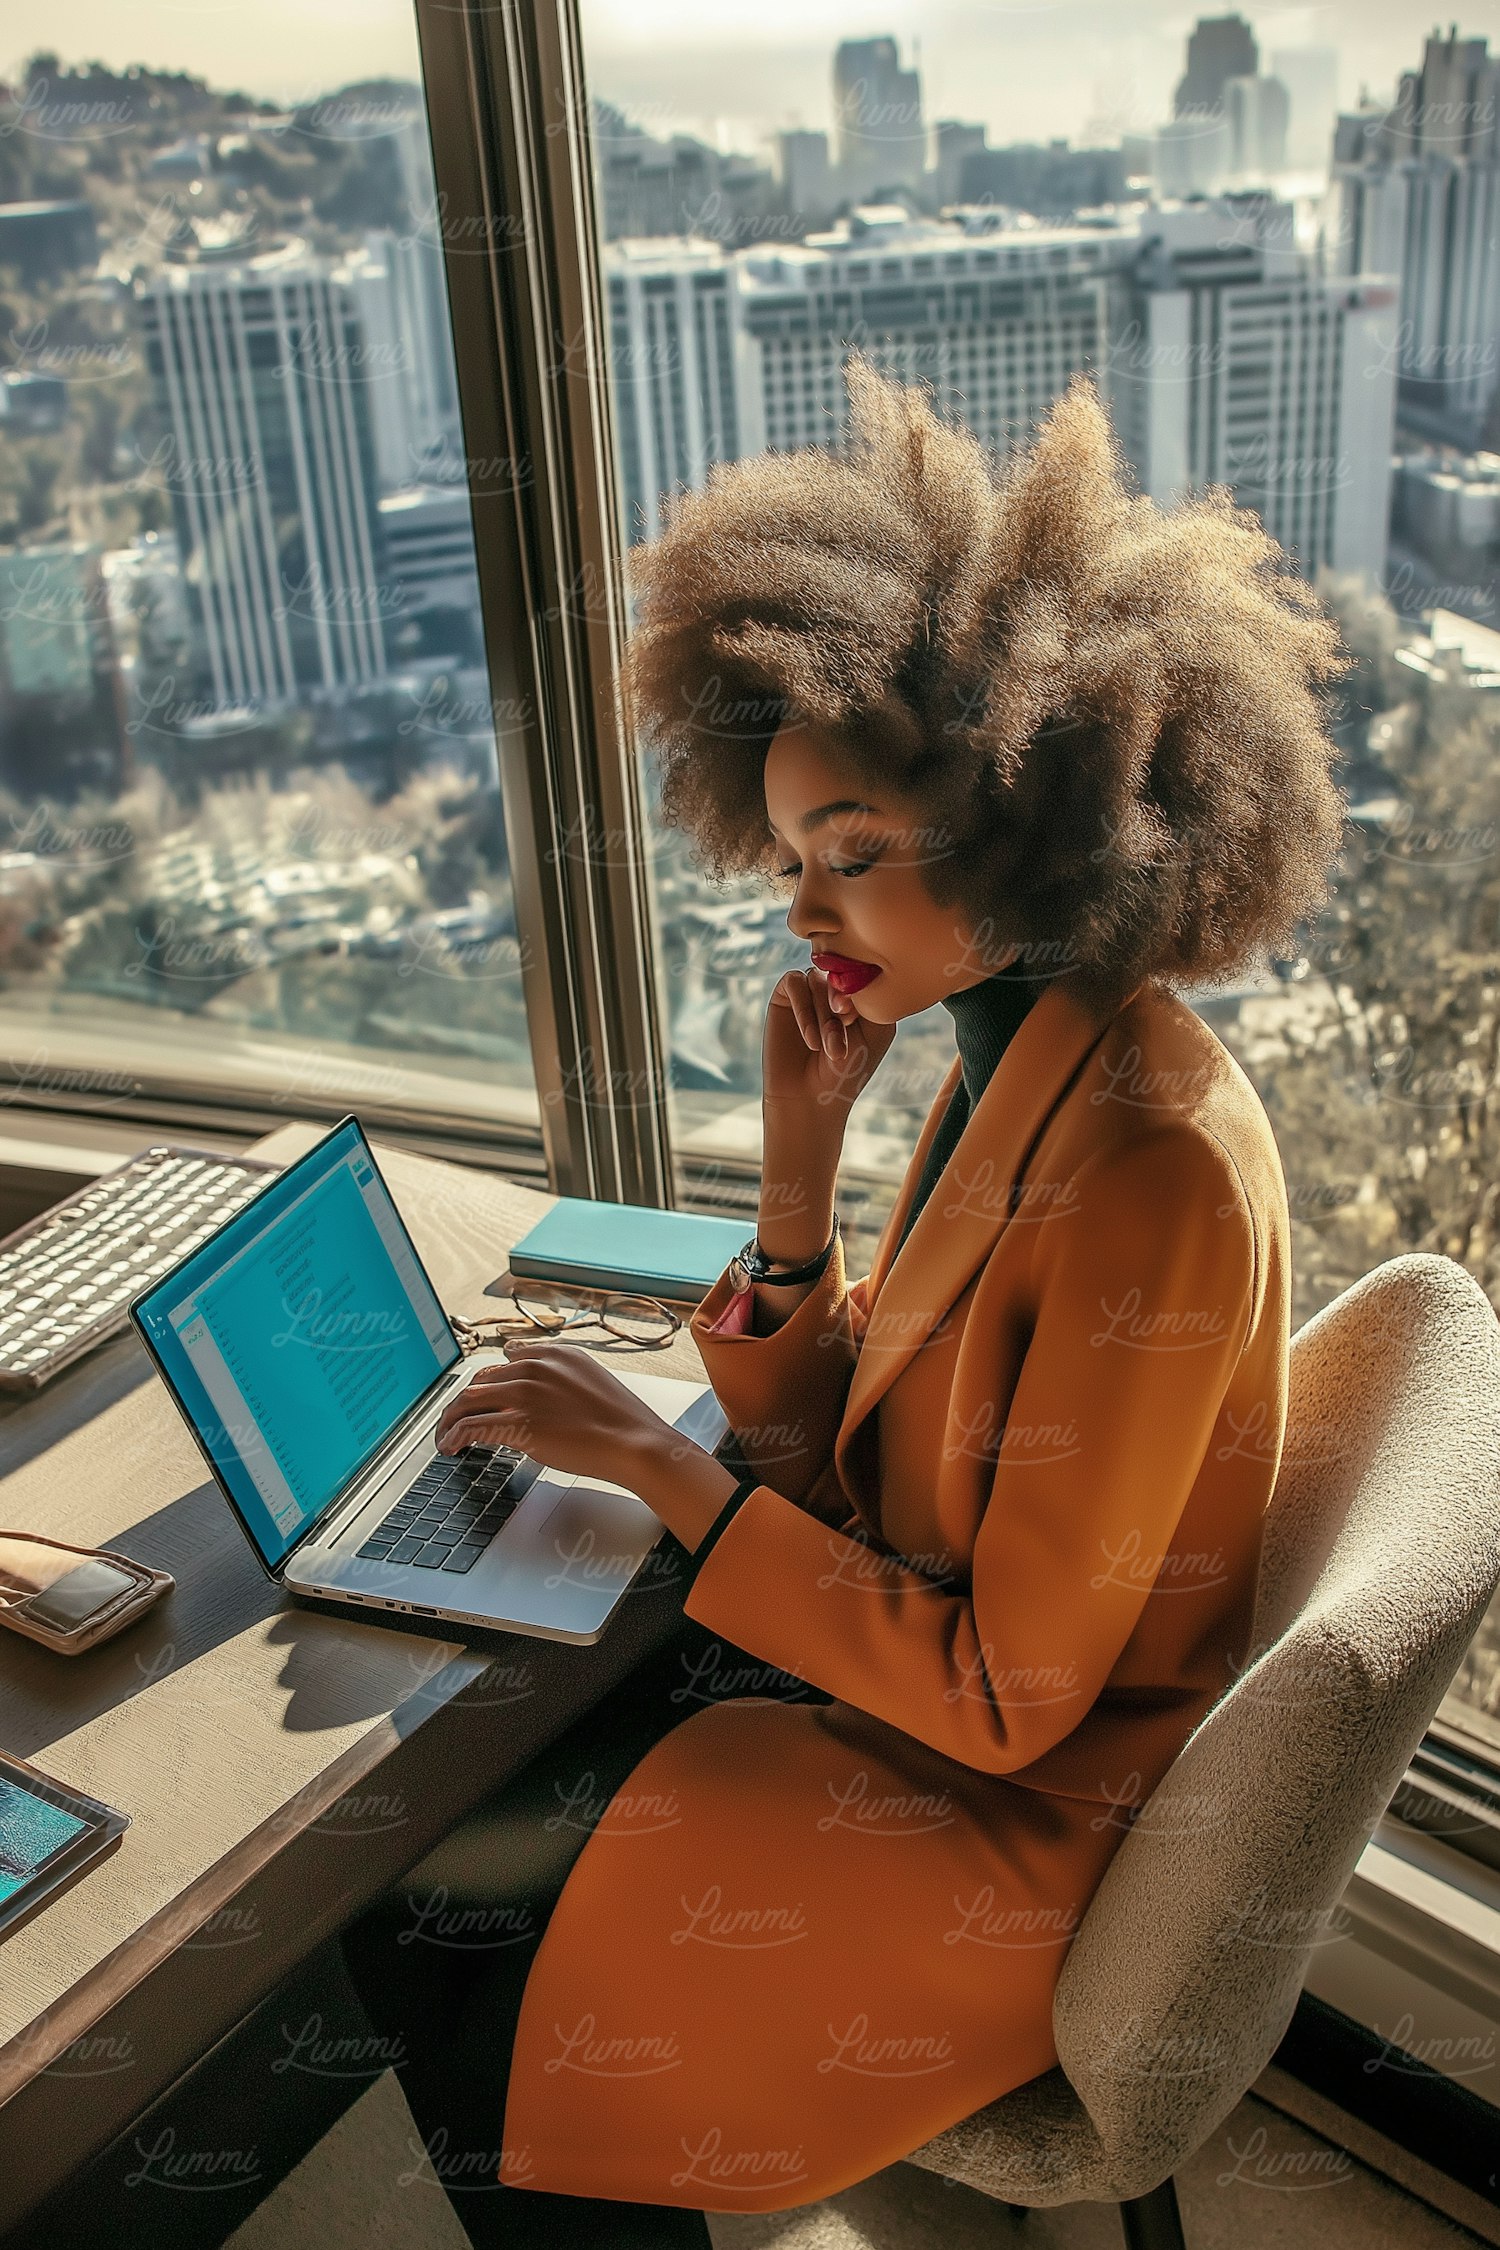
280	1765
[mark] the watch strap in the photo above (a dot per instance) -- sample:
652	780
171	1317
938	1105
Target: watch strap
754	1265
725	1516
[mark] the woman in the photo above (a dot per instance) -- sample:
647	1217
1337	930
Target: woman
1027	746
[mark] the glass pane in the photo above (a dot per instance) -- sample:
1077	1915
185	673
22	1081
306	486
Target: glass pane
1275	280
250	832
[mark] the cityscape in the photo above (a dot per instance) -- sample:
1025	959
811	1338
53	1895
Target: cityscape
249	750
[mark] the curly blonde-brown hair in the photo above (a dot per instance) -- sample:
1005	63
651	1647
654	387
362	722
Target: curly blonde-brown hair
1115	715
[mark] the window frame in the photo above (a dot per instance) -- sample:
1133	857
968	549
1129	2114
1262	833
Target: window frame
530	323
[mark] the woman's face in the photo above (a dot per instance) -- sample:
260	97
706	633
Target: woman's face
858	859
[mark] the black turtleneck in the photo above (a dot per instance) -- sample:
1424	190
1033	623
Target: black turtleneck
985	1016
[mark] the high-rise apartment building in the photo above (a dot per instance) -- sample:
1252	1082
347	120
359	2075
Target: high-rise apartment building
677	370
1232	361
1226	356
261	371
996	322
410	385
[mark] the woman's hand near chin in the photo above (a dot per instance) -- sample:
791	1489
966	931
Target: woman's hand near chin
818	1053
815	1064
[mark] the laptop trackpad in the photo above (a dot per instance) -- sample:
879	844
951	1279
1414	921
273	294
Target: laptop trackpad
580	1529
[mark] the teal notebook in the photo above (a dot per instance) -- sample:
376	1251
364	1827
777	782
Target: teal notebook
677	1255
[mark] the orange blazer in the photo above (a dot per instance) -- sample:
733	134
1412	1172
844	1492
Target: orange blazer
1010	1521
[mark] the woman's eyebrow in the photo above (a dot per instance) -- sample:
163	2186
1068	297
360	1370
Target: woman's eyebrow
812	820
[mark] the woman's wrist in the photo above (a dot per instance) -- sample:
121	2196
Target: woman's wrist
796	1209
679	1482
794	1243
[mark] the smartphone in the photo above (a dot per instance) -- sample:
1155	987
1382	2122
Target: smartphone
49	1837
72	1598
82	1593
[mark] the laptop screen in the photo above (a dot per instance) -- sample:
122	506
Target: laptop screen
298	1336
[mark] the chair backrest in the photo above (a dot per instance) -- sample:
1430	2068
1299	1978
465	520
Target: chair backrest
1381	1555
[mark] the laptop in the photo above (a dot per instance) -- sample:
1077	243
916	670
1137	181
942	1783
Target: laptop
306	1349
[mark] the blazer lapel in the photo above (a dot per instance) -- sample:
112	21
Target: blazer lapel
911	1291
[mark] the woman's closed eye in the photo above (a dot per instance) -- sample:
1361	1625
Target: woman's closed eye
855	867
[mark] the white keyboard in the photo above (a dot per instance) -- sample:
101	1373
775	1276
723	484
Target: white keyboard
67	1277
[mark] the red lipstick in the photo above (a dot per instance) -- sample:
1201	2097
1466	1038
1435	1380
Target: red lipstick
844	974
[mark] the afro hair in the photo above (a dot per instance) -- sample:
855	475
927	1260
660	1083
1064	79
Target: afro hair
1117	713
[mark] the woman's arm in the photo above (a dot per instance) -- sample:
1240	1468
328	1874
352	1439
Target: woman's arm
783	1392
1143	1285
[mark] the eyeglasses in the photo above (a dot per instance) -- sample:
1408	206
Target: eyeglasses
547	1310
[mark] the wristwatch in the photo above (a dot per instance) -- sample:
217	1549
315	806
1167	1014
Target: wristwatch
753	1265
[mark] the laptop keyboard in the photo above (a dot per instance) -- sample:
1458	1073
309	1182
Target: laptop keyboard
446	1519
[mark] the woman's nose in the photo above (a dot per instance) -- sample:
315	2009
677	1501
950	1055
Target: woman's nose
804	919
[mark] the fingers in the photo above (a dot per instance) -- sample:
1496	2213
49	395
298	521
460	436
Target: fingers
840	1004
833	1033
486	1394
821	1014
793	991
491	1429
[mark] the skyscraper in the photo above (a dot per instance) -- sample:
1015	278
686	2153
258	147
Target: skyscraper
803	173
676	362
414	259
996	321
1225	355
1257	110
952	143
1310	76
411	388
1416	189
260	368
879	142
1219	48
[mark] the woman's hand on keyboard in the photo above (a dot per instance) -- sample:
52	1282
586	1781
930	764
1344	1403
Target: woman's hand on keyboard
567	1411
559	1405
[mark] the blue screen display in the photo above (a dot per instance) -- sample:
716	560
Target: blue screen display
31	1830
298	1337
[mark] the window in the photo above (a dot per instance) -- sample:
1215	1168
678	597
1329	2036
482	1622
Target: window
1373	1042
253	844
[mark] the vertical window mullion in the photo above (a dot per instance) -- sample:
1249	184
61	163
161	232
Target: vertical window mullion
521	254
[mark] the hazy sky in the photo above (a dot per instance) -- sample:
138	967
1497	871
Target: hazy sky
730	69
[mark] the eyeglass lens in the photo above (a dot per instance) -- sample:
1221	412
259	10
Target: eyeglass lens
637	1319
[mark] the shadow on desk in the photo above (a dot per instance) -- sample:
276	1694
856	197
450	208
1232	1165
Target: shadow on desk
47	1697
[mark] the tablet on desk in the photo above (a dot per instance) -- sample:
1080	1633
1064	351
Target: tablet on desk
49	1837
